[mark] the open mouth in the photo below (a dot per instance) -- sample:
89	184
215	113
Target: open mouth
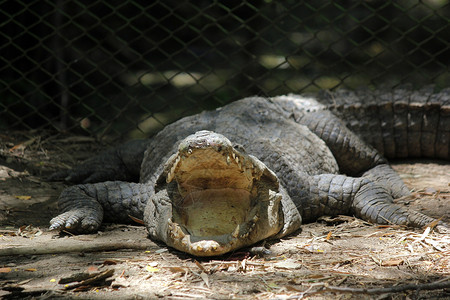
219	196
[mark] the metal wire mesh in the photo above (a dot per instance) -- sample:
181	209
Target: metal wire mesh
130	67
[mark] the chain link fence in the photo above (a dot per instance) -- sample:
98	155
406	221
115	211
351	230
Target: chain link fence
128	68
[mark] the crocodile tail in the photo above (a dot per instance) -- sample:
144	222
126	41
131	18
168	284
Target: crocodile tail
399	123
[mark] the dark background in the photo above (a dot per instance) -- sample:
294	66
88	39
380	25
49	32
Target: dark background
127	68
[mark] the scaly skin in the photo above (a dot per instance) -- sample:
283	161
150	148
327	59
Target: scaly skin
399	123
296	139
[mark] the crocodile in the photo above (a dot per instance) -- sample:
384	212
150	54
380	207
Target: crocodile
257	168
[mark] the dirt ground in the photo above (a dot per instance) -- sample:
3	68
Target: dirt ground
334	258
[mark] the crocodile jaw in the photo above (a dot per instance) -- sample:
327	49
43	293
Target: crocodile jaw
264	221
221	199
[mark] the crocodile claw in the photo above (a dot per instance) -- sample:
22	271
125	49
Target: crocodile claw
76	221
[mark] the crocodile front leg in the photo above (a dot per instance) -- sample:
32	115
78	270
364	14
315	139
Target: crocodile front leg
83	207
331	194
372	202
384	175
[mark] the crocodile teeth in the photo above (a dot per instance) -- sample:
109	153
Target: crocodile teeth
175	230
171	173
177	161
170	176
236	232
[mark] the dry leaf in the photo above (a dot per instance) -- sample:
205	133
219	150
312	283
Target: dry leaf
120	282
433	223
273	285
75	277
24	145
139	221
93	280
110	262
151	269
199	265
92	269
392	262
291	288
430	190
23	197
425	233
31	270
5	270
328	236
288	264
28	231
177	269
204	276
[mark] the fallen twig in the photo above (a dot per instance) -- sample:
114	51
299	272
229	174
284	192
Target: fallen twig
92	280
64	248
394	289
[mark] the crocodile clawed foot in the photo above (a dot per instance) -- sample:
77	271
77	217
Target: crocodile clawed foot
76	221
